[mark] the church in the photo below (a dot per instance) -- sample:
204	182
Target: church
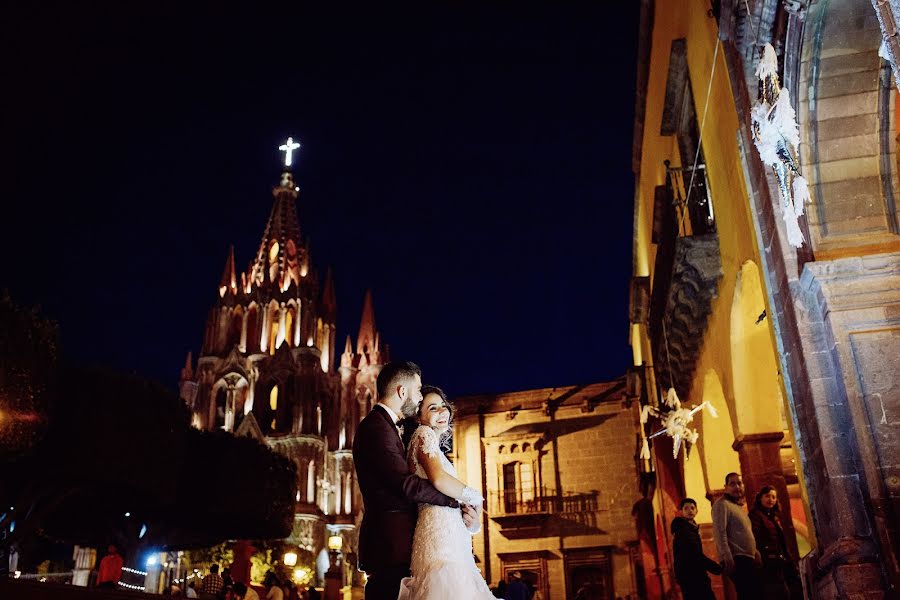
268	369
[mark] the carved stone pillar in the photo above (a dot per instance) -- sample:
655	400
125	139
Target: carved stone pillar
760	457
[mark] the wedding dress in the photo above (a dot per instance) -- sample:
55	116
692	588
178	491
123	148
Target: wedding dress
442	565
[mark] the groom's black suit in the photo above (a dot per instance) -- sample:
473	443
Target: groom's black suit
390	494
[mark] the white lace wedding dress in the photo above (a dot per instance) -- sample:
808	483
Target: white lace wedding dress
442	565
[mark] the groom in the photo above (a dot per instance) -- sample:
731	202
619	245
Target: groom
390	491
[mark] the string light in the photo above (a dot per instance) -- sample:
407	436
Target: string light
128	586
135	571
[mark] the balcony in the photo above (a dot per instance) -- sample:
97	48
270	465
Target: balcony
526	512
686	273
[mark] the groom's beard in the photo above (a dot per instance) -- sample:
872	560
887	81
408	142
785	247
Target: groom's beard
409	408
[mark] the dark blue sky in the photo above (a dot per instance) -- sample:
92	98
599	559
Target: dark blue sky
471	166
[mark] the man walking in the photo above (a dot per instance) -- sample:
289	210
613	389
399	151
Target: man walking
734	539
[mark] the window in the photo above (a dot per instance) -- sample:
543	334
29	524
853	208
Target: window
518	487
273	405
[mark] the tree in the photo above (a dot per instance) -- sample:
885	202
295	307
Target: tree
117	461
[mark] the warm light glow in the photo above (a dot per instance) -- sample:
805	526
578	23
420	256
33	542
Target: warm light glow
273	398
335	542
288	149
273	252
290	559
302	575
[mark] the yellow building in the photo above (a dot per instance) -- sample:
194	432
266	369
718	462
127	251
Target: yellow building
783	343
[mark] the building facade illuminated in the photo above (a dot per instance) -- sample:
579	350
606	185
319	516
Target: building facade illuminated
269	369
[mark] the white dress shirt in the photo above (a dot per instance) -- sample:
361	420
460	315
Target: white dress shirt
392	415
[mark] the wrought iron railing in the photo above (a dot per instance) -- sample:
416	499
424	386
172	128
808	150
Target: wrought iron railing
524	501
693	207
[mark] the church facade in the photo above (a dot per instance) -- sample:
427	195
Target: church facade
268	368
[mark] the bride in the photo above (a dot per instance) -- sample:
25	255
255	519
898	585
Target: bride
442	565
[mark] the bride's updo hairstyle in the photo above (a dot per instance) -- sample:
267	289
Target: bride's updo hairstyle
433	389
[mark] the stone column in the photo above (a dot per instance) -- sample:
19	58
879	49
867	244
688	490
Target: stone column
760	457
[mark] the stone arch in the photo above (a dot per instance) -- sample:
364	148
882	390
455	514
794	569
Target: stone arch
696	487
717	456
847	114
758	403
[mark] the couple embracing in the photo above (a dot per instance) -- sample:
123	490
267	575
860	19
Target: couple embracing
415	541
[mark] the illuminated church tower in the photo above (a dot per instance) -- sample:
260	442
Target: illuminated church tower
267	369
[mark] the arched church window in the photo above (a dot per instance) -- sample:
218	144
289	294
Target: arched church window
253	342
221	402
288	325
234	329
273	405
273	261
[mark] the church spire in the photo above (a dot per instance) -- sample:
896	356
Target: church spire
365	342
279	259
229	279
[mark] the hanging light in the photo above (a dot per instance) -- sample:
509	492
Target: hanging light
290	558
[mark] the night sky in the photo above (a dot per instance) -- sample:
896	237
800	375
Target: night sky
470	166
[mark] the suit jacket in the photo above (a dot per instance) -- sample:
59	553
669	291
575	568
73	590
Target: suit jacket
390	494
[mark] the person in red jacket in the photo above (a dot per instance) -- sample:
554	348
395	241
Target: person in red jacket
110	569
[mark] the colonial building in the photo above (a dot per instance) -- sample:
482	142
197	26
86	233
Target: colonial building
269	368
798	349
558	471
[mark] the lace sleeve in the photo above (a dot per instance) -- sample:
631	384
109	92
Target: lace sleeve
427	440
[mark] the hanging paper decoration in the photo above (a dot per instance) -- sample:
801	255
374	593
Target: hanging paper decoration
675	421
777	136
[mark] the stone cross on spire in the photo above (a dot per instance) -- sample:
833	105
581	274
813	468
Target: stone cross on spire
288	149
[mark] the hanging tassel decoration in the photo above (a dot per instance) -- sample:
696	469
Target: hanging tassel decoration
768	63
801	195
776	135
645	450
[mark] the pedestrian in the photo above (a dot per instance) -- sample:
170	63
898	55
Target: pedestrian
227	580
691	564
314	593
191	590
273	587
500	590
780	576
110	569
244	593
212	584
733	533
517	589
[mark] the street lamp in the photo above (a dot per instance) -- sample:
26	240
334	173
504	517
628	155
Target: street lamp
290	558
334	578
